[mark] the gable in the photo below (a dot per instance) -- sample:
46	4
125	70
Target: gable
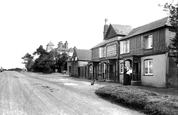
110	33
117	30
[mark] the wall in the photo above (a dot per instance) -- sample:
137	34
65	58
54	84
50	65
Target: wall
95	53
74	68
68	65
158	79
137	43
173	74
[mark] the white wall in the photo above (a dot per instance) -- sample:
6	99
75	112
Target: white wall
158	79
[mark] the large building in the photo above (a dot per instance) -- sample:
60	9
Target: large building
138	57
61	48
105	54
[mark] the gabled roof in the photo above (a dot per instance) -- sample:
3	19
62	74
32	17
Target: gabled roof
121	29
83	54
148	27
117	30
50	44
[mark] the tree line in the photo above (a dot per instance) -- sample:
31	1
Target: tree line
46	62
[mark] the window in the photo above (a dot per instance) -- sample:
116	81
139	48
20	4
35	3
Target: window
124	47
102	52
121	67
148	67
148	41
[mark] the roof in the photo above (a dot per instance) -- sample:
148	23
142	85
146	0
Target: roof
50	44
104	42
121	29
148	27
83	54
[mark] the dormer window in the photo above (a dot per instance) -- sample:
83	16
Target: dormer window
148	41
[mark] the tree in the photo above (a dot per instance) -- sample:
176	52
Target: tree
28	61
62	62
45	62
173	16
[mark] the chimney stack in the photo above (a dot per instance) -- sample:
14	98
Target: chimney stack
105	28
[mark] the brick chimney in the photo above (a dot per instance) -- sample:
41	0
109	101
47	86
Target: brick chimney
105	29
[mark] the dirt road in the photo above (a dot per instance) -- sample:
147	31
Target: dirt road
53	94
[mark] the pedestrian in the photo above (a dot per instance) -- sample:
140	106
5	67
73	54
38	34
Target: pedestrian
93	82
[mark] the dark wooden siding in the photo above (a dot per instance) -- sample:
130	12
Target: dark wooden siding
137	43
95	53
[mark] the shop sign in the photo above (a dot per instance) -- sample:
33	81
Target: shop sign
111	50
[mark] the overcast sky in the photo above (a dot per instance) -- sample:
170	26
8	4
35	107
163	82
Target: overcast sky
27	24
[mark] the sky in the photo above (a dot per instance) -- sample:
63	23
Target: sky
27	24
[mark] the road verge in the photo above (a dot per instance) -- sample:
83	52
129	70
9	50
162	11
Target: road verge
151	103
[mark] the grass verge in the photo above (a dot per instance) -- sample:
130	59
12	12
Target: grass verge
149	102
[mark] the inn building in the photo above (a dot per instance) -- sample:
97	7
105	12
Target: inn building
138	56
105	54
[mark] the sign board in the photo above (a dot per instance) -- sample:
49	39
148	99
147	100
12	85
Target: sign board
111	50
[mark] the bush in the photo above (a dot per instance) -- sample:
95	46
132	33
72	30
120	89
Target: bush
150	102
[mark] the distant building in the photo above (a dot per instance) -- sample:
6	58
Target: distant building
61	48
77	65
49	46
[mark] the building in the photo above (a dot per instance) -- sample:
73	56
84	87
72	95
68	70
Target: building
105	54
49	46
136	56
145	51
78	63
61	48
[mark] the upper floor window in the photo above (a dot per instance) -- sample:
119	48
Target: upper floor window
102	52
124	47
148	41
148	67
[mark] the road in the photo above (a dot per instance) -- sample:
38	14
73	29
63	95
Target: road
52	94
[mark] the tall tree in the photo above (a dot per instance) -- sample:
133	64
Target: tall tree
28	61
173	16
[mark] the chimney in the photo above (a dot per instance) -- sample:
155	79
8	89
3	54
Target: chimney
60	44
66	45
105	28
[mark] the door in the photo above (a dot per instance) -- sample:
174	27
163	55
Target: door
127	72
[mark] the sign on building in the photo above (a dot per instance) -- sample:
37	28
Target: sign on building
111	50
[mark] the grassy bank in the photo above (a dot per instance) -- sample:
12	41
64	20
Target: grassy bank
150	102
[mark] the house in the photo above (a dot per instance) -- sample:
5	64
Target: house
145	51
78	63
105	54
